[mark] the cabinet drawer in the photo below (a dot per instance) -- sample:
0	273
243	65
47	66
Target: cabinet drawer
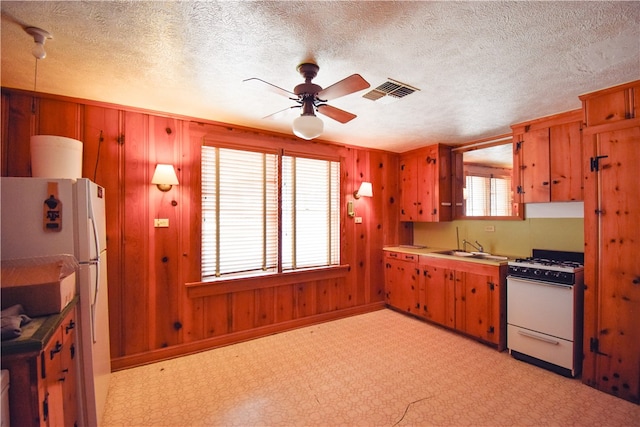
401	256
544	347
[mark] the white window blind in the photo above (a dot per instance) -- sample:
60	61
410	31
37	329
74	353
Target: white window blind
310	212
240	220
488	196
239	211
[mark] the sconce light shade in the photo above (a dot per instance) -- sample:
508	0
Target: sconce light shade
365	190
308	126
39	37
164	177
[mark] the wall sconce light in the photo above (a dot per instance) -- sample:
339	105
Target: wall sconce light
164	177
365	190
39	37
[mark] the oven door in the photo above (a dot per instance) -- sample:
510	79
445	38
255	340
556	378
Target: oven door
542	307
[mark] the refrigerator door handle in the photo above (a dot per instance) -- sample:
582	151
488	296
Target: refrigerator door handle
96	261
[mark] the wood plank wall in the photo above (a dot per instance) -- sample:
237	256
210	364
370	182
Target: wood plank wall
158	309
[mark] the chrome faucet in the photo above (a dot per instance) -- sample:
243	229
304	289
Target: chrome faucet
479	248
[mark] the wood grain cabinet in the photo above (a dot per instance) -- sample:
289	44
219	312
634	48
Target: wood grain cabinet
464	296
401	281
612	211
43	372
550	158
425	185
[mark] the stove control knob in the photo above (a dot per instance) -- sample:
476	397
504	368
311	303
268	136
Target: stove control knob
537	272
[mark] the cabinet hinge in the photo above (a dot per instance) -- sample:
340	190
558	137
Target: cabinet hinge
595	163
121	139
518	146
492	287
520	190
45	407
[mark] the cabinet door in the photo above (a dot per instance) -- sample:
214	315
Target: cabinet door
408	188
69	373
401	284
53	404
612	272
476	298
427	198
610	107
437	295
535	166
566	162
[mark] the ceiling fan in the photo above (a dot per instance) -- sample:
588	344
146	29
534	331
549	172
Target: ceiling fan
312	98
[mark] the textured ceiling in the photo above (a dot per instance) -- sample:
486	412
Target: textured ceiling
480	66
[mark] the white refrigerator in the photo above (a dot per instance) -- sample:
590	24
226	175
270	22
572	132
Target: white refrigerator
79	228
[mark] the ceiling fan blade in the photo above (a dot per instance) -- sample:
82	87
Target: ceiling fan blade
335	113
261	84
351	84
282	113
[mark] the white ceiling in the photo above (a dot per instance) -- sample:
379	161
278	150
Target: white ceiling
480	66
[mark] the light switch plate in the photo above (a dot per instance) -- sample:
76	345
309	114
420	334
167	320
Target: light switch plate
358	220
161	222
489	228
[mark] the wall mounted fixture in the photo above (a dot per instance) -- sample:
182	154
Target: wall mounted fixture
164	177
39	37
365	190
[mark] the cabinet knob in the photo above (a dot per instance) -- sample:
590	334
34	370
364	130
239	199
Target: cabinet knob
545	182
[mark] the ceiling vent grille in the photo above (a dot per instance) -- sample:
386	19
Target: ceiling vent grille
391	90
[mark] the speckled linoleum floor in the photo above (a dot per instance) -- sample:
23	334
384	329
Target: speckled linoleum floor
375	369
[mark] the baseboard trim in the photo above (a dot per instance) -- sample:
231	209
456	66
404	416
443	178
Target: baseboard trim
120	363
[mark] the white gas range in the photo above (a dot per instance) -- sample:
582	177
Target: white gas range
545	309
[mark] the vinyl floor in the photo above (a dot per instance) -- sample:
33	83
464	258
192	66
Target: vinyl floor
376	369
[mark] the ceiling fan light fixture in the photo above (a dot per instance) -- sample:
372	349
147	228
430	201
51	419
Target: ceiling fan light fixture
39	37
308	126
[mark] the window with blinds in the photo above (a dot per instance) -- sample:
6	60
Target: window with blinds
310	212
489	196
240	222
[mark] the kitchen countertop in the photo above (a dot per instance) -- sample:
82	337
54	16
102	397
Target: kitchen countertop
433	253
36	333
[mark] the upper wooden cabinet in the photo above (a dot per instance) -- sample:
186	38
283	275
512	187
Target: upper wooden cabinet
612	105
425	185
550	157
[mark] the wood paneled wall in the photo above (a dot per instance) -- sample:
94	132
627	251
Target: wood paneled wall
158	309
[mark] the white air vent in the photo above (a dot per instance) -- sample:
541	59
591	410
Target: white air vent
391	90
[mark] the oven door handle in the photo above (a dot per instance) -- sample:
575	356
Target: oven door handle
537	337
539	282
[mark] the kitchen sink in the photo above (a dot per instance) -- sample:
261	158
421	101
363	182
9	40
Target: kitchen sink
478	255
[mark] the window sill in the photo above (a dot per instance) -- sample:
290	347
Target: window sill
227	285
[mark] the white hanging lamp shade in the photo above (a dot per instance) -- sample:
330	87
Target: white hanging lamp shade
308	127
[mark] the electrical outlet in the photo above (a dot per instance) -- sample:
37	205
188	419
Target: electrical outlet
161	222
490	228
358	220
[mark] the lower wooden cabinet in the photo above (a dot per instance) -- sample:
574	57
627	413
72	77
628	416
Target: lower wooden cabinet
401	281
468	297
43	389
